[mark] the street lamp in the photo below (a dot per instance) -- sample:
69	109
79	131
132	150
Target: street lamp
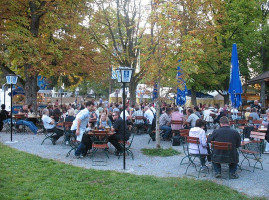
124	75
61	91
11	80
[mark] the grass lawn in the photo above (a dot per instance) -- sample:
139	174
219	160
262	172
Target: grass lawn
160	152
25	176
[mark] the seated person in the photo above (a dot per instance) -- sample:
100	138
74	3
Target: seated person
104	122
49	125
226	134
138	122
254	114
4	115
247	113
26	122
118	127
71	116
176	115
191	120
56	113
165	122
198	132
24	110
149	116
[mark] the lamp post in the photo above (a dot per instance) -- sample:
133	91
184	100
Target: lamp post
11	80
61	91
124	75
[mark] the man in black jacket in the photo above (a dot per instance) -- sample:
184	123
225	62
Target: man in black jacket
226	134
118	127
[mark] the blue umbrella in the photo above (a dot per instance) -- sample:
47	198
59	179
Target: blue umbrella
235	88
182	90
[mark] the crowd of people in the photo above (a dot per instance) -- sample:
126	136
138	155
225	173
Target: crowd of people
143	117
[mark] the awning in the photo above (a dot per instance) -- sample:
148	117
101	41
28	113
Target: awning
260	78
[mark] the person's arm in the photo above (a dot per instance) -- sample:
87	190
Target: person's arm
52	121
211	137
78	127
203	139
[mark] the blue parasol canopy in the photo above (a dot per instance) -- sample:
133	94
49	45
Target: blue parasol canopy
182	89
235	88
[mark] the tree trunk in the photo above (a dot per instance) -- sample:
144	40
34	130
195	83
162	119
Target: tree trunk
226	98
30	87
132	91
158	138
193	97
263	86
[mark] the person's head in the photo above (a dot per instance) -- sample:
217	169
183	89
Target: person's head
248	109
254	110
190	111
256	102
71	112
224	121
146	108
3	106
103	117
30	107
25	107
200	123
45	111
90	106
168	111
115	115
176	109
196	108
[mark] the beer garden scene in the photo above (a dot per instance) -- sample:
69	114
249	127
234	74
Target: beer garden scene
133	99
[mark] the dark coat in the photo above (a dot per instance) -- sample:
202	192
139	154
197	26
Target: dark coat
226	134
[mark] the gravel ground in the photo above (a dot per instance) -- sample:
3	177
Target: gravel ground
251	183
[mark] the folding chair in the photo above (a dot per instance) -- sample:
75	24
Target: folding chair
48	135
100	143
184	133
176	123
225	148
253	149
136	127
127	147
191	156
74	143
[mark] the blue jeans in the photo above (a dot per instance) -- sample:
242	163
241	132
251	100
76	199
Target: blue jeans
81	150
29	124
232	167
167	131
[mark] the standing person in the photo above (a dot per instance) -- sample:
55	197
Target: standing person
118	127
226	134
79	126
49	125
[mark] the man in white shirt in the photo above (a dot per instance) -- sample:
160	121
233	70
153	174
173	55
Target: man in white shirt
79	125
149	117
49	125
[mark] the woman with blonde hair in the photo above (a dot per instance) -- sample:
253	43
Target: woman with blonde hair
104	121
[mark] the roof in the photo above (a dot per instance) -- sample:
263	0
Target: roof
260	78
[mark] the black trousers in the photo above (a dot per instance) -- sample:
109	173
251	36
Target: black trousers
114	140
58	132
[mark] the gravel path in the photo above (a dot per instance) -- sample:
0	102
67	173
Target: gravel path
251	183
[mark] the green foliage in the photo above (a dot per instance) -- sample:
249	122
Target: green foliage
25	176
160	152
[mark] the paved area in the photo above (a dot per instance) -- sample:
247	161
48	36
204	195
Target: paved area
251	183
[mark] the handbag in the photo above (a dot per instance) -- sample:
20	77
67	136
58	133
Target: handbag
176	140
